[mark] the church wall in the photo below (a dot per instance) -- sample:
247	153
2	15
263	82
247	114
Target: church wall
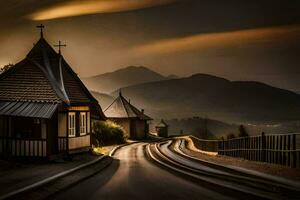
140	129
62	124
162	131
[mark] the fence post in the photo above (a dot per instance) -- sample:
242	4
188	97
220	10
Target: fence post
223	147
263	147
294	163
289	151
281	148
284	150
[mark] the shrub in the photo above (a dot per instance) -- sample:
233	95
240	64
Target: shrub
108	133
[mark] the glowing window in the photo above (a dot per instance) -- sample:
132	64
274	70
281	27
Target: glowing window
83	123
72	124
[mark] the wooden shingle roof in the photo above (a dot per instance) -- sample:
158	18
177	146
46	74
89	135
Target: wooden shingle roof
26	82
121	108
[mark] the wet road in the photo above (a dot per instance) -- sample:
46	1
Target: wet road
132	176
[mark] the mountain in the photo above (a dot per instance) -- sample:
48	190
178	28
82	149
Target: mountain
108	82
104	99
215	97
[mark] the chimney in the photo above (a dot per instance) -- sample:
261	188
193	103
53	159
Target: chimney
142	111
129	101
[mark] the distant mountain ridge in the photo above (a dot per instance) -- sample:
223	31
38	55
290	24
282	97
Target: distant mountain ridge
215	97
132	75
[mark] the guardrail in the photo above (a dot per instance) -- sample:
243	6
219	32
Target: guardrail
283	149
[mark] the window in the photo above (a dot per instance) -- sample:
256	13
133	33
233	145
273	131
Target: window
72	124
88	122
82	123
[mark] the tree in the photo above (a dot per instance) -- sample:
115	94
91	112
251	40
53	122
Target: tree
5	68
243	131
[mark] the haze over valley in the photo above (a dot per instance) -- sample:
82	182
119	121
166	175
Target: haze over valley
201	95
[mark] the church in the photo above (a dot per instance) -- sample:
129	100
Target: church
45	109
131	119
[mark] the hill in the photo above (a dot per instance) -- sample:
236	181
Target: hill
108	82
215	97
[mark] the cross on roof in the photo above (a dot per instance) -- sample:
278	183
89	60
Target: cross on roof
59	45
41	27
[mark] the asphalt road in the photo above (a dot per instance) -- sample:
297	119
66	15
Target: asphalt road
132	176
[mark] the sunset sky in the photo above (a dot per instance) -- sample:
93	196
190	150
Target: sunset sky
239	40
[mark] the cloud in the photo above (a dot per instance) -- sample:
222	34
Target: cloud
77	8
240	38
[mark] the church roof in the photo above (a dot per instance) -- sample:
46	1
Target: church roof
121	108
162	124
44	76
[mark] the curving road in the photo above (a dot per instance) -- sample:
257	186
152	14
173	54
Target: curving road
133	176
243	184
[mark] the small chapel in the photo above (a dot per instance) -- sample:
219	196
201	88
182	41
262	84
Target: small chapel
162	129
45	109
131	119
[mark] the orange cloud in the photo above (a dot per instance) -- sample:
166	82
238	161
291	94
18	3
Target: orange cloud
219	40
77	8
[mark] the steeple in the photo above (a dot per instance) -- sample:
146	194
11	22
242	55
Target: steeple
41	27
